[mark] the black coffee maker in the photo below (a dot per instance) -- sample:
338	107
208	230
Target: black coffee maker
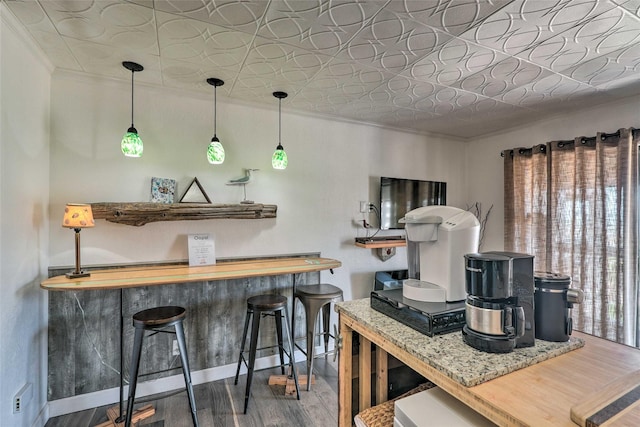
499	307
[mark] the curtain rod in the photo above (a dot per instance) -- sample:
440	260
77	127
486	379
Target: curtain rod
603	136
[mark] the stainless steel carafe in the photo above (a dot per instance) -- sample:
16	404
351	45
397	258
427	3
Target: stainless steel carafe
553	302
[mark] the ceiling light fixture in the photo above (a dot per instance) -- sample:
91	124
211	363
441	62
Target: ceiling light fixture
215	152
131	143
279	158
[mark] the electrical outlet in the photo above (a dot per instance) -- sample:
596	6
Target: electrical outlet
364	206
22	398
175	351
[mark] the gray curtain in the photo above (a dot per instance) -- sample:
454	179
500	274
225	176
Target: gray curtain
573	204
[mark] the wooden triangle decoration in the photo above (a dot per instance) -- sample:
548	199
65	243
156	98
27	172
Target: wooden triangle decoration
195	193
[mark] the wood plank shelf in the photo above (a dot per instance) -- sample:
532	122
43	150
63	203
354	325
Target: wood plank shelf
141	213
381	244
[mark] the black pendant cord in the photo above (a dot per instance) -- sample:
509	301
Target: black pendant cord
280	96
132	72
280	121
133	67
215	111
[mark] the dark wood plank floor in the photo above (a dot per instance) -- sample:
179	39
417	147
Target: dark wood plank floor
220	403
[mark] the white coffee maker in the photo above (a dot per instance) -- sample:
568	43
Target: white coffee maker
438	237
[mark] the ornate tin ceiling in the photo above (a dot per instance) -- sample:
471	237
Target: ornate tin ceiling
460	67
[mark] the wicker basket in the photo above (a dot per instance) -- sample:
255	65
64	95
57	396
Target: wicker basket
382	415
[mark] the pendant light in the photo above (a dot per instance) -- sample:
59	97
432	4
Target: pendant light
279	158
131	143
215	151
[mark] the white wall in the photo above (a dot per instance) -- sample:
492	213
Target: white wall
24	235
332	166
485	166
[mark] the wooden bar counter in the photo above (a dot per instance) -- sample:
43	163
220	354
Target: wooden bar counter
538	393
130	277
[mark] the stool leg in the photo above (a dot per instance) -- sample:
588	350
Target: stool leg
293	319
326	317
182	346
133	373
278	318
244	339
255	324
312	310
291	354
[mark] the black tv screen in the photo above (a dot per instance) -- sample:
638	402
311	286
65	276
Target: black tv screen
399	196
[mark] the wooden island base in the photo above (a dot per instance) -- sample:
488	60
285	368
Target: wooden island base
538	395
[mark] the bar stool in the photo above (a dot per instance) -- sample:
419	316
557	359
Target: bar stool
314	298
156	320
260	306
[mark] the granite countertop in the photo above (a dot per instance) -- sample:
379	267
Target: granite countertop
448	353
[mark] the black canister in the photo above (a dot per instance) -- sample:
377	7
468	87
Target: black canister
553	300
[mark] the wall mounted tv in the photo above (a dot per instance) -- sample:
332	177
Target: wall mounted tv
399	196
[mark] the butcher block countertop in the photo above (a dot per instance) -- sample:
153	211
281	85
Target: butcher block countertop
536	386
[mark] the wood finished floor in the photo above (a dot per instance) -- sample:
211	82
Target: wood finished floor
220	403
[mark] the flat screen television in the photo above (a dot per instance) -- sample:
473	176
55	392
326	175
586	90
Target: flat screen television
399	196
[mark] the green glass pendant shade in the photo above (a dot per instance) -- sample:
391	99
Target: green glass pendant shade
279	159
215	151
131	143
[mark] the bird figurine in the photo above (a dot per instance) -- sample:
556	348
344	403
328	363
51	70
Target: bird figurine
243	181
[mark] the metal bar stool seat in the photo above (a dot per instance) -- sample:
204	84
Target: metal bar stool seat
314	298
158	319
260	306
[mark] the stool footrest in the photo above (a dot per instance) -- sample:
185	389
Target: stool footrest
315	355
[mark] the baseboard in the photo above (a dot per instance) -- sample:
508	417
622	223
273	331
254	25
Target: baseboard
96	399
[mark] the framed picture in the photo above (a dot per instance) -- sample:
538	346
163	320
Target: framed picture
162	190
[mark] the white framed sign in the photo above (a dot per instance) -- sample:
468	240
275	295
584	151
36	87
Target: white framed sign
202	249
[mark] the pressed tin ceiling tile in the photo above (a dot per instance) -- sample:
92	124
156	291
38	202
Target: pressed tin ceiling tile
324	26
106	22
242	16
194	41
454	61
453	16
454	67
281	62
393	44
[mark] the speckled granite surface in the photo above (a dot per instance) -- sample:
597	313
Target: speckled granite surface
448	353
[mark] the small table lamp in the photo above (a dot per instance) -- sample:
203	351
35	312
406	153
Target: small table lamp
77	216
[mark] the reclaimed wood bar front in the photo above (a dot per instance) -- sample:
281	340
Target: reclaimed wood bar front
83	320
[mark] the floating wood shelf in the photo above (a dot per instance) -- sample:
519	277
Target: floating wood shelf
138	214
377	244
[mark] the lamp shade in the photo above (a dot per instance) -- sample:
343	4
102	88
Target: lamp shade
279	159
132	143
77	216
215	151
